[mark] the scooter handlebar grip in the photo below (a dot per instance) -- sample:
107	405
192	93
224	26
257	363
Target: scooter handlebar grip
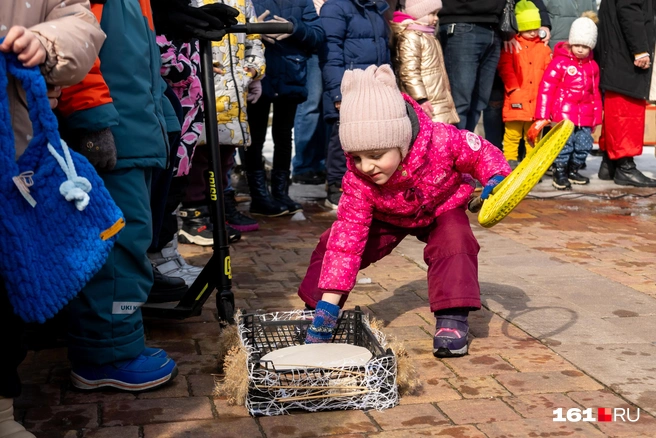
261	28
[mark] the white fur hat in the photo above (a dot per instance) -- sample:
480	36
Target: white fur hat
583	32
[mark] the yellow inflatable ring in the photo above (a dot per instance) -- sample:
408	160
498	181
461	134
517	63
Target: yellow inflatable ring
508	194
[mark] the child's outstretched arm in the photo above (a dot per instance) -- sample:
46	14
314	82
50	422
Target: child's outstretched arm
343	257
473	154
348	238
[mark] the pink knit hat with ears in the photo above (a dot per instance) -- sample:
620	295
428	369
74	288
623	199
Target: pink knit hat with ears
421	8
373	115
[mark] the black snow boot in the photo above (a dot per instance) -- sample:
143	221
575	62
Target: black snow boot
234	218
626	174
262	203
574	176
280	190
560	180
607	168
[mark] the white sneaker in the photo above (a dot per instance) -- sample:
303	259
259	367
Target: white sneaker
169	262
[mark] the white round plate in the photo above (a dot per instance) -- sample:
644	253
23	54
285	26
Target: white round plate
318	355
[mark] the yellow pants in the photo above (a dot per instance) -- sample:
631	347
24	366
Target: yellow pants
514	132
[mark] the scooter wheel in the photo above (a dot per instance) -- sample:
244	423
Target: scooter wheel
226	309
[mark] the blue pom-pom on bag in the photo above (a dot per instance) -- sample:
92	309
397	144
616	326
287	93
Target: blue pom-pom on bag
58	222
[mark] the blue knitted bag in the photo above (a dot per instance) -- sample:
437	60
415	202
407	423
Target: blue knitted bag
58	222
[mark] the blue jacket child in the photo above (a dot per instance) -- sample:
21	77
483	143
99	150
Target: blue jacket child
284	87
357	36
286	60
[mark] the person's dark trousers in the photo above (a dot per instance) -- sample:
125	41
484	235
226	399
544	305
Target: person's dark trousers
284	112
451	254
227	154
11	345
471	55
105	323
196	193
493	114
335	158
309	127
159	197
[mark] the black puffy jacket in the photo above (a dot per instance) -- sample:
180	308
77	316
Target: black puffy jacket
626	28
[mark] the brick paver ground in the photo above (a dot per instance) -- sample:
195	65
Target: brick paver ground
507	387
613	238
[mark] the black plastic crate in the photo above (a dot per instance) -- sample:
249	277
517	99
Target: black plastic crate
274	392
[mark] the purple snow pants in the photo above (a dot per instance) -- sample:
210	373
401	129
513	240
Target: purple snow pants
451	254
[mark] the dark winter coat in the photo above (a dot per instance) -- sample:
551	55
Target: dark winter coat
562	14
481	11
286	60
626	28
357	36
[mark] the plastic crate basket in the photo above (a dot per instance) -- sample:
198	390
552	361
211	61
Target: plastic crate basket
275	392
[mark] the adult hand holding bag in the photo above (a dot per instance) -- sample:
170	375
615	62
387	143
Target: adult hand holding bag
58	222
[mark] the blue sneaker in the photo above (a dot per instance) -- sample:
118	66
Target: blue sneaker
139	374
154	352
450	338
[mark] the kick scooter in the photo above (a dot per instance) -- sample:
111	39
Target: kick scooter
217	273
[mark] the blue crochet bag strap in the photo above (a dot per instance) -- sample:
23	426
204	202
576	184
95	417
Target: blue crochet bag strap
45	131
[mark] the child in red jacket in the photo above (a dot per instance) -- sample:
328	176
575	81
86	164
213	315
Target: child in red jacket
521	72
570	90
406	176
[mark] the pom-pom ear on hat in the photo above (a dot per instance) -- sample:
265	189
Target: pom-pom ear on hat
372	115
583	32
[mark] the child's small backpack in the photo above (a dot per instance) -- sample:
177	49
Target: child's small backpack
57	220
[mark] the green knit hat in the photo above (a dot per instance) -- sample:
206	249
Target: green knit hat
528	16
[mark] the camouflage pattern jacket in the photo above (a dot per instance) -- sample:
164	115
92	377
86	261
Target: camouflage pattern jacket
232	56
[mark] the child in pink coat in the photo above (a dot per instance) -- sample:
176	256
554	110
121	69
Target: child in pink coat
406	176
570	90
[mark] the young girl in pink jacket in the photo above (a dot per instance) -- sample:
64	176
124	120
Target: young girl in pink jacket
570	90
406	176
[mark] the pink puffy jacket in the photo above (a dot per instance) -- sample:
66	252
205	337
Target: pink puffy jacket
570	89
433	178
